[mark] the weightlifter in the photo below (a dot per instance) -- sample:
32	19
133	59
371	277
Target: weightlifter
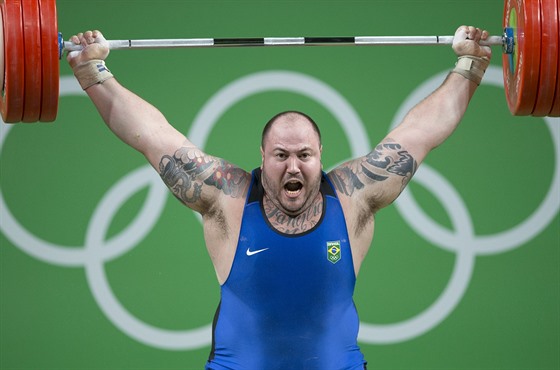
275	314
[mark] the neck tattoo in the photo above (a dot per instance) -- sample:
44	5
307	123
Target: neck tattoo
294	224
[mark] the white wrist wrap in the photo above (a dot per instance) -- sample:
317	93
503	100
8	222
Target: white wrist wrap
92	72
471	67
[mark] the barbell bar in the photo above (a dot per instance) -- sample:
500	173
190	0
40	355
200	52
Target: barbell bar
281	41
31	48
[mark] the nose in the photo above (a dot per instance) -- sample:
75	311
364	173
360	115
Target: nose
293	165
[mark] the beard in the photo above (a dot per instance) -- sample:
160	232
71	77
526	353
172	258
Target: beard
288	198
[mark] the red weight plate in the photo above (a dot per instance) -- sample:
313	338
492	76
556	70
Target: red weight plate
11	101
51	73
32	47
555	111
521	70
549	58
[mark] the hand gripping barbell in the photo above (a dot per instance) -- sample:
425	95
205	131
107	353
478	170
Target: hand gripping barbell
32	47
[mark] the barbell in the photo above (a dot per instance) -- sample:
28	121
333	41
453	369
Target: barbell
31	48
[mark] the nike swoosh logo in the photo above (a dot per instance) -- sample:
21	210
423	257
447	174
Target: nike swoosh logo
250	252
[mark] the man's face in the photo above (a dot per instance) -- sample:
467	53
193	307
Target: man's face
291	165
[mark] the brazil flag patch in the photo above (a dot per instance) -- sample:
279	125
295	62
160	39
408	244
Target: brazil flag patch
333	251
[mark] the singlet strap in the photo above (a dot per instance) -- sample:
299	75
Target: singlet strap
256	192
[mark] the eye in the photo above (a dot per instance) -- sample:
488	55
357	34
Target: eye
280	155
304	156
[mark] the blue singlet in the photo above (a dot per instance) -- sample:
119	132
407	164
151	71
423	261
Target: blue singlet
287	303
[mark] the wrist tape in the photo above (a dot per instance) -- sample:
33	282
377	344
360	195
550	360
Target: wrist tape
91	73
471	67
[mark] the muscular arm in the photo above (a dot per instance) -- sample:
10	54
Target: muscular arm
194	178
375	180
200	181
434	119
135	121
379	176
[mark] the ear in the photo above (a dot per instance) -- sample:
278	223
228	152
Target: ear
262	157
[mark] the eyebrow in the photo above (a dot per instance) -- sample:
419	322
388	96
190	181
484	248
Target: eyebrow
302	149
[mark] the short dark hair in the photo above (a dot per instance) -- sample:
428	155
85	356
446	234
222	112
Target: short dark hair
289	114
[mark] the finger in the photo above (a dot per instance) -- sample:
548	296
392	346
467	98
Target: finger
83	41
89	37
478	34
468	32
460	35
471	33
99	38
463	31
474	34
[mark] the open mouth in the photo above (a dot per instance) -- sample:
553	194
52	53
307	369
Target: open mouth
293	188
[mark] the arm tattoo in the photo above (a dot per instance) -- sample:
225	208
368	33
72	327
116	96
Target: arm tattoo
387	159
345	180
189	169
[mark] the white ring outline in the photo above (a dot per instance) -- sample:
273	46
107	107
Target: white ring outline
290	81
364	336
97	250
485	245
464	242
200	130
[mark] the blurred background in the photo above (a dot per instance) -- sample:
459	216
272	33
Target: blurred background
101	268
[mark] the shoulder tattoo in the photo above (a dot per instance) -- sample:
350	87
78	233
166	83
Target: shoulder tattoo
387	160
188	170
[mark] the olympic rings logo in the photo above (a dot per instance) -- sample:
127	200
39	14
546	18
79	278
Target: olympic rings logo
462	240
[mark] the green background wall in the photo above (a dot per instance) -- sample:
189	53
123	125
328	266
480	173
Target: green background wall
470	281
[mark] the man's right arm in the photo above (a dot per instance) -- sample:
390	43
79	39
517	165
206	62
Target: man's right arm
135	121
197	179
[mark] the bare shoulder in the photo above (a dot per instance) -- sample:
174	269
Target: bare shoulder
217	190
202	181
376	179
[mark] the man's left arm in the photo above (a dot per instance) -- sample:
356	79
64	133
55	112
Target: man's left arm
377	178
434	119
